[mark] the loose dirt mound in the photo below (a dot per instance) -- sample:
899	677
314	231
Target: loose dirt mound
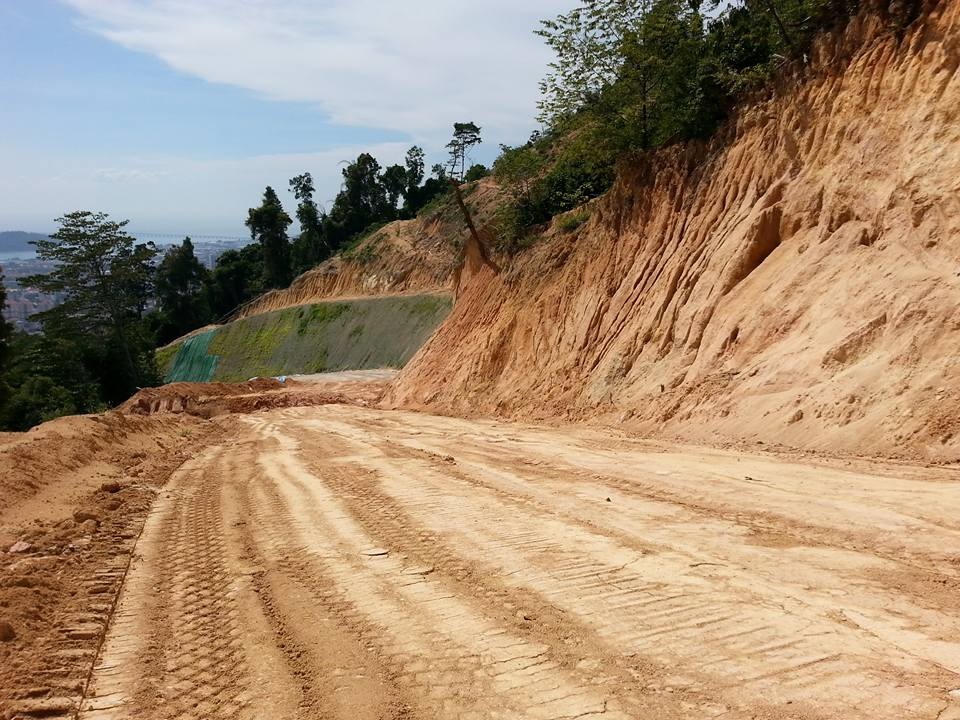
73	496
208	400
51	458
797	281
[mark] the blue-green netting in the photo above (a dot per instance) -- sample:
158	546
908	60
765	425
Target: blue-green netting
192	363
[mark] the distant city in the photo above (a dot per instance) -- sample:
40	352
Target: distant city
24	302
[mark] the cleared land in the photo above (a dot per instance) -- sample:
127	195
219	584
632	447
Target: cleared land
342	562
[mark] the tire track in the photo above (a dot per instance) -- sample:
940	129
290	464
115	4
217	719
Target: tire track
459	662
748	645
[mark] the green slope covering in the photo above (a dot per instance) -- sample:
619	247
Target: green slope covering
339	335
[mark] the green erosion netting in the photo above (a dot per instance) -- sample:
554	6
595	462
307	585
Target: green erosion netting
324	337
192	363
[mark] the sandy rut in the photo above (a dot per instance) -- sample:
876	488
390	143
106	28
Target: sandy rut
348	563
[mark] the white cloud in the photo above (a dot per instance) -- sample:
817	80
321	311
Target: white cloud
414	66
127	175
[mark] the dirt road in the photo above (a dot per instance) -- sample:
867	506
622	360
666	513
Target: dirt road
338	562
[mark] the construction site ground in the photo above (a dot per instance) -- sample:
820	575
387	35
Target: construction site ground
340	561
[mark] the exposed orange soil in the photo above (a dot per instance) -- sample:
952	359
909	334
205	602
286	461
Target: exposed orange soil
797	281
343	562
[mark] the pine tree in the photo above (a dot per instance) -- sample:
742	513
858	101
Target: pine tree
465	136
107	280
268	225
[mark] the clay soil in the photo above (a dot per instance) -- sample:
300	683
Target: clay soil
347	562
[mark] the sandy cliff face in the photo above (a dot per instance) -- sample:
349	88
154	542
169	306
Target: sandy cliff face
797	281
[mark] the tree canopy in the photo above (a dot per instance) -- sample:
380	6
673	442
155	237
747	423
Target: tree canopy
107	280
268	225
465	136
182	298
633	75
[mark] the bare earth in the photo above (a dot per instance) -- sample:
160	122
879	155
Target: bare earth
343	562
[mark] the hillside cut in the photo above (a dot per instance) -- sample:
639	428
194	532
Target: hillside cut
795	281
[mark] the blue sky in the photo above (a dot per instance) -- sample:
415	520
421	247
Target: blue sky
176	113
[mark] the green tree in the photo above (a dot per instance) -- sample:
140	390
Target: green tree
49	377
268	225
107	281
310	247
415	164
182	298
236	279
394	180
587	42
361	203
6	331
465	136
476	172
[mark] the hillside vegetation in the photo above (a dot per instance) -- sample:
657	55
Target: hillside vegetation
321	337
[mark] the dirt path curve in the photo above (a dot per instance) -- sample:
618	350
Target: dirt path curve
337	562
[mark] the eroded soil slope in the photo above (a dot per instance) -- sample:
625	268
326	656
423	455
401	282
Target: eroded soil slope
352	563
796	282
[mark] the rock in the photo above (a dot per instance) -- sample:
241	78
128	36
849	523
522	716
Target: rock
609	500
82	516
111	487
20	547
523	617
418	570
46	707
28	565
6	632
112	504
375	552
88	526
796	417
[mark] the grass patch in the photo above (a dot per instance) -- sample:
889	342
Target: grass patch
166	356
571	221
323	337
319	314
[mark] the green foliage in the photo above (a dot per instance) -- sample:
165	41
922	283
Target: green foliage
476	172
6	331
633	75
362	201
46	377
182	293
268	225
311	247
236	279
571	221
36	400
465	136
107	280
547	176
